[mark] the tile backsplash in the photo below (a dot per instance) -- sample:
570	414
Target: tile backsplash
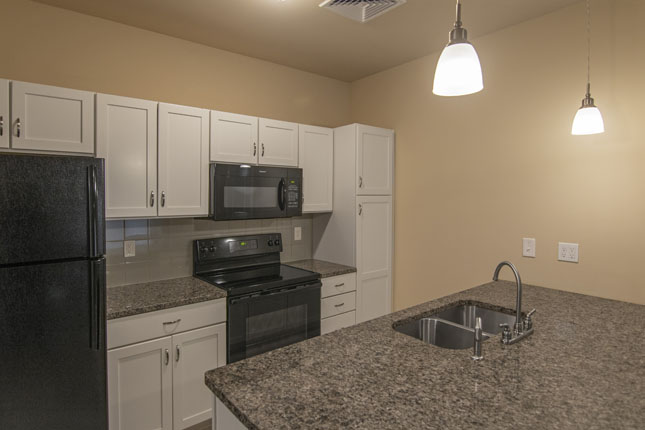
164	246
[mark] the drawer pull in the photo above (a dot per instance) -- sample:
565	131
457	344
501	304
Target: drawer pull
340	304
167	357
178	320
339	285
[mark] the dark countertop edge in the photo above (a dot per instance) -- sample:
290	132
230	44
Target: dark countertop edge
159	307
231	407
339	269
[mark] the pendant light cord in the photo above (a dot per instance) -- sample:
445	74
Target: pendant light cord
588	47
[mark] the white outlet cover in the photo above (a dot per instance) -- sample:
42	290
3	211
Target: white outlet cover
528	247
297	233
129	248
568	252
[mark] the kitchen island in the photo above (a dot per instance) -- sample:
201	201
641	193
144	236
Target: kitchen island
584	367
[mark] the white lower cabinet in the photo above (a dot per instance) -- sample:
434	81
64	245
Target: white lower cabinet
338	302
158	384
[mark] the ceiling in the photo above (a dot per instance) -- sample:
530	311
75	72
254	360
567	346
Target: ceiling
299	34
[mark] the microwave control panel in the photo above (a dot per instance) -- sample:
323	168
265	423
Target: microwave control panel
294	192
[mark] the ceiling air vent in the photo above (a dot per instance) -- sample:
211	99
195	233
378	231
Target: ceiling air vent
361	10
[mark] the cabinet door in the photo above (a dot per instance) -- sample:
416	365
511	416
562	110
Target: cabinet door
278	143
234	138
126	136
316	159
4	114
373	257
183	160
195	352
374	161
48	118
140	386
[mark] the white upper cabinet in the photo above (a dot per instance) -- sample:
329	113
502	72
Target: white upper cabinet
316	158
374	161
195	353
234	138
46	118
4	114
374	256
278	143
126	136
183	161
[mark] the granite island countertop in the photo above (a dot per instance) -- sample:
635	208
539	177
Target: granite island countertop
326	269
584	367
128	300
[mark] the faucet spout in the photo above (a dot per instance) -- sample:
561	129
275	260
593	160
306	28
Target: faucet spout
518	303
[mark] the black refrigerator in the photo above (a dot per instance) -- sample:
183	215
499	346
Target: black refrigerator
52	293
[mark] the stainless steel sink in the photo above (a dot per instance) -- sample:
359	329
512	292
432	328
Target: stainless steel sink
440	333
465	315
453	328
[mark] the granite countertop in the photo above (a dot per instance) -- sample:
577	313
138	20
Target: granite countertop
128	300
325	268
584	367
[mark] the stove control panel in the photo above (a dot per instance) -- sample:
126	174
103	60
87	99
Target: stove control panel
236	246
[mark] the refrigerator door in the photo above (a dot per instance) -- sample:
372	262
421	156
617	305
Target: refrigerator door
52	208
52	346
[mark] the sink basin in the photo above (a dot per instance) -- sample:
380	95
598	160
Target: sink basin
440	333
465	315
454	328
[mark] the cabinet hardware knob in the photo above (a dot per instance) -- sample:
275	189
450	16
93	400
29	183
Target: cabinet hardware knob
1	125
167	357
263	149
163	199
339	285
152	198
360	209
255	149
18	127
340	304
172	322
178	353
360	182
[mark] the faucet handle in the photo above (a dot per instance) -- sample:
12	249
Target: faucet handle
531	313
528	322
506	334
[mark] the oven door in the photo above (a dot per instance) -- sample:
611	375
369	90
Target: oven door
248	192
262	322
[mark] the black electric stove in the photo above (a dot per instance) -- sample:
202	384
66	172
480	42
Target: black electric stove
269	305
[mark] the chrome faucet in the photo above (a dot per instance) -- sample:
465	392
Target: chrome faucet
477	340
521	329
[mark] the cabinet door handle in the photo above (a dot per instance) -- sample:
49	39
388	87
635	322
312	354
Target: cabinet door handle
167	357
152	198
163	198
178	353
360	209
178	320
339	285
18	127
360	182
263	149
339	305
1	125
255	149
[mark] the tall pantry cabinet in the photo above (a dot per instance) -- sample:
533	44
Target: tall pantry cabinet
360	230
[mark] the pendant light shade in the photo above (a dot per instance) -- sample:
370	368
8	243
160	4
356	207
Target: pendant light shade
588	119
458	71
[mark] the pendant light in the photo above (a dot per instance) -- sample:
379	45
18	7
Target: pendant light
458	71
588	119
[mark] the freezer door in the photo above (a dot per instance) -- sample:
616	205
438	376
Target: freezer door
51	208
52	346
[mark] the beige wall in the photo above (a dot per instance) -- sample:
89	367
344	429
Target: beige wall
476	174
53	46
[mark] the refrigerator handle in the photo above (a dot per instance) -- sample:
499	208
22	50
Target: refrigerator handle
97	300
92	207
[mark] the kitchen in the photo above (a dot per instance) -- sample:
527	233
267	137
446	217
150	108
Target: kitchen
471	178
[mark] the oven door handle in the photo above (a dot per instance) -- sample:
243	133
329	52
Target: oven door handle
281	190
274	292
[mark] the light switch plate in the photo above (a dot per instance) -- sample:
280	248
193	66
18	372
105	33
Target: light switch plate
297	233
568	252
528	247
129	248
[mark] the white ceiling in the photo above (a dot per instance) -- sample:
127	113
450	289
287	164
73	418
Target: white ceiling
299	34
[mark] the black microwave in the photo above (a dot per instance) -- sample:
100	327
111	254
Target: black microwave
252	192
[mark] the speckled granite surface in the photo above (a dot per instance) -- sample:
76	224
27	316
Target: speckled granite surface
583	368
325	268
128	300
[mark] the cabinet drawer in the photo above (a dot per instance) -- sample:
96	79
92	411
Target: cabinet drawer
337	322
335	305
338	285
139	328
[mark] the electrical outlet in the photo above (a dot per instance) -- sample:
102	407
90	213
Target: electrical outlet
297	233
129	248
568	252
528	247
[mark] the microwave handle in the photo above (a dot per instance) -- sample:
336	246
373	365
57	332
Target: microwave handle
281	190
